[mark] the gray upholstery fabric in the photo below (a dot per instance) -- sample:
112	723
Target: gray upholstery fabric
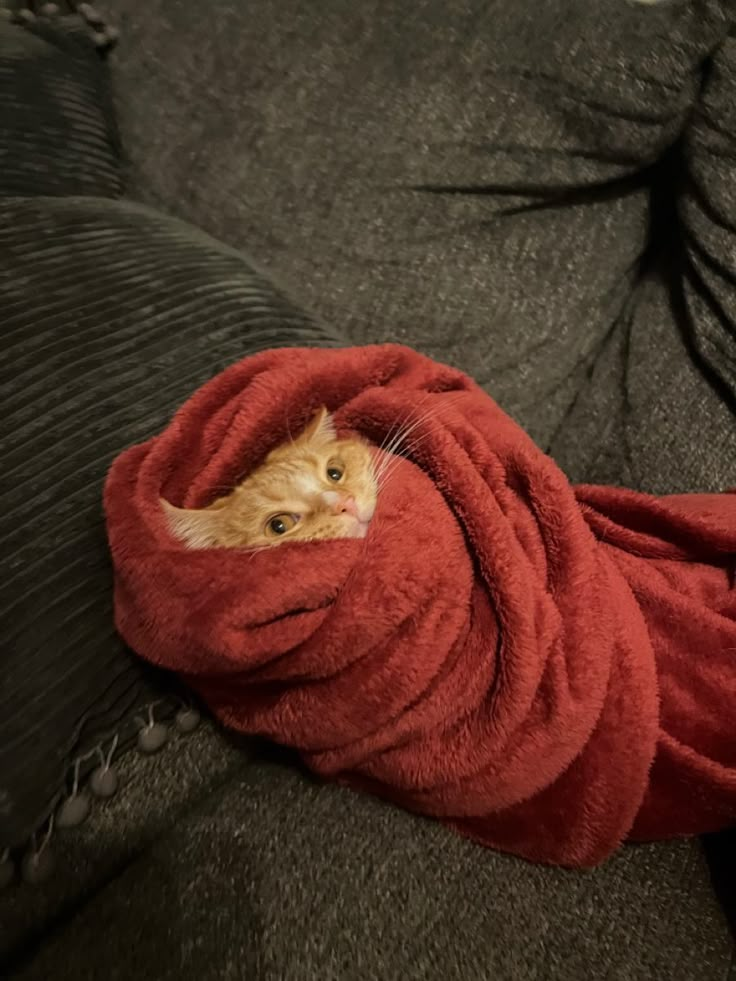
355	148
657	411
273	878
156	793
58	126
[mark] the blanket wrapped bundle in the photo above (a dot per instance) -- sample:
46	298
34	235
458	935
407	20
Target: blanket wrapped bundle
549	669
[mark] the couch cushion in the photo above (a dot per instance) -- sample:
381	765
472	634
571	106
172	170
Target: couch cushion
373	150
157	793
59	133
112	315
278	879
658	408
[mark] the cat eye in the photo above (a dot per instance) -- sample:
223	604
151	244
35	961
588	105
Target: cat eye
279	524
335	472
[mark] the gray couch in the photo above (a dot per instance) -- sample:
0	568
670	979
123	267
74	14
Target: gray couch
543	194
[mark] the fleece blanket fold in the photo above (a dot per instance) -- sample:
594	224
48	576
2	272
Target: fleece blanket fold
548	669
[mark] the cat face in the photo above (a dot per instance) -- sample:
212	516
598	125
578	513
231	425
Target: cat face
314	487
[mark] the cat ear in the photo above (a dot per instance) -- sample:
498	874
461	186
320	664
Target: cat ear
321	429
195	528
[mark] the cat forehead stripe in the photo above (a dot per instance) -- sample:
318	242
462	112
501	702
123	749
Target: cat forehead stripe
307	483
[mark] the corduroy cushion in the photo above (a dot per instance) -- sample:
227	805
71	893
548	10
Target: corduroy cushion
112	315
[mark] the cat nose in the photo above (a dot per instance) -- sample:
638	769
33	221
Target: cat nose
346	505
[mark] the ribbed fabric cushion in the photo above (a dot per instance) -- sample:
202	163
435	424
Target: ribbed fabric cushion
111	316
59	134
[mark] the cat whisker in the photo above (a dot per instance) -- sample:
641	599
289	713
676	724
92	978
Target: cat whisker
398	424
395	448
406	427
390	461
251	552
288	428
418	420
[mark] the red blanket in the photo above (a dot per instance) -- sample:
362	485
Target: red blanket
548	669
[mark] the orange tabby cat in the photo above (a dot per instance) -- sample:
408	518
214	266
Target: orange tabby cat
314	487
